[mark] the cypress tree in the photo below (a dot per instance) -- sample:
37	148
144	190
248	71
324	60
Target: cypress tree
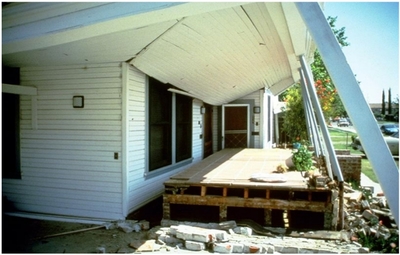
383	103
390	101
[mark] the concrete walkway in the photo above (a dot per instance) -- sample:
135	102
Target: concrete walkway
366	181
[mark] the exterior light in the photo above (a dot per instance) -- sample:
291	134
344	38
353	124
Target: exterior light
256	109
78	101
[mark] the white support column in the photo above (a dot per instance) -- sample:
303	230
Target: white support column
307	116
356	106
125	139
310	116
320	116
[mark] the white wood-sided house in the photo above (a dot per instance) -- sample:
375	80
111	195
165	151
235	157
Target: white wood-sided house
103	102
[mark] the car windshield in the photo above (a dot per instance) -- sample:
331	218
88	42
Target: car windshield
390	126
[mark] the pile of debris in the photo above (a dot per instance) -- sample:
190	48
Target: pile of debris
368	220
368	227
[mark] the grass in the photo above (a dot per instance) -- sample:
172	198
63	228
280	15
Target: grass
342	140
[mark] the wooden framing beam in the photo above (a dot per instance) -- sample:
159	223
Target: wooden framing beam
19	90
280	204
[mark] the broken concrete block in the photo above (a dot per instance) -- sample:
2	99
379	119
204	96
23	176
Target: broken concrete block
173	229
109	225
237	248
145	225
365	204
100	250
154	232
148	246
270	249
356	196
220	235
136	243
194	246
128	226
246	231
169	240
368	214
137	227
223	248
363	250
227	224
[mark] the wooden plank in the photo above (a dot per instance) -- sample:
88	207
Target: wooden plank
203	191
246	193
249	202
19	90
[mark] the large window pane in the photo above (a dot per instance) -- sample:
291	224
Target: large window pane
183	127
160	124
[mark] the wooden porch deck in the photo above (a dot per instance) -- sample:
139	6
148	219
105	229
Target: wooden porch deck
224	180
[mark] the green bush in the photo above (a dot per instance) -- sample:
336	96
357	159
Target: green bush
302	158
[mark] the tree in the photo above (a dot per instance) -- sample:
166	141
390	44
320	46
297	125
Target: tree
330	101
383	103
390	102
294	122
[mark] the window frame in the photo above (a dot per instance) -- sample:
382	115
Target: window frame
174	165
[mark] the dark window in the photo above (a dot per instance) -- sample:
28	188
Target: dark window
11	167
162	122
183	127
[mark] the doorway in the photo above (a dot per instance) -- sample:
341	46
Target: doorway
235	126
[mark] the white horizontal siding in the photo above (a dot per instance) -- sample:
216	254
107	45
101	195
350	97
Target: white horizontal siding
198	123
67	163
141	189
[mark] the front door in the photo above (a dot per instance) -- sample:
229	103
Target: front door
235	126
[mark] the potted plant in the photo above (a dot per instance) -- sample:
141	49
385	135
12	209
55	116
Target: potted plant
302	158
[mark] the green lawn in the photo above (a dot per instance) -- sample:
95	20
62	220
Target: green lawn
342	140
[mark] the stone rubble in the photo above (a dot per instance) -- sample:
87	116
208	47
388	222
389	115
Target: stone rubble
364	216
367	216
213	238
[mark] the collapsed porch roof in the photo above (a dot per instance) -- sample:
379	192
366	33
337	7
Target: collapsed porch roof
217	52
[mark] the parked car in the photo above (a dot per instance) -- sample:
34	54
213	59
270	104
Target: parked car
392	142
389	129
343	123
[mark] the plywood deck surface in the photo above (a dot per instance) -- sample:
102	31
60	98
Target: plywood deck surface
235	167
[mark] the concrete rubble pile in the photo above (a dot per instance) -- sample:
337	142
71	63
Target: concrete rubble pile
227	237
367	216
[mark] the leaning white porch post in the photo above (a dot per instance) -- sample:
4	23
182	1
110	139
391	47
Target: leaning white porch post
331	157
356	106
321	120
310	115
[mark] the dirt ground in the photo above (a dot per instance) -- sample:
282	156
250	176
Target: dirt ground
21	235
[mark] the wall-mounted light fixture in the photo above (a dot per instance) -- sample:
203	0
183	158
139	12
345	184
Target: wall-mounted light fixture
202	110
78	101
256	109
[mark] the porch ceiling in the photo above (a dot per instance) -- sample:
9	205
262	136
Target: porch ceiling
218	53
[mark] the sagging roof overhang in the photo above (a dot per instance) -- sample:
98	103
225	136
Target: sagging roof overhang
217	52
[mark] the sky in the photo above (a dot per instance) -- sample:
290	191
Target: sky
372	29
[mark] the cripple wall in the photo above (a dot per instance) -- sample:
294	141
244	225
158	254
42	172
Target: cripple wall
350	166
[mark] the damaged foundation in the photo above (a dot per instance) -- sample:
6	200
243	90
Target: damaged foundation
221	188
